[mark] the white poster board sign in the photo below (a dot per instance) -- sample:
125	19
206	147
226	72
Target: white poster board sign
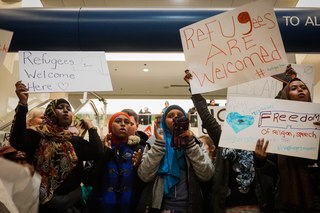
5	40
218	112
19	191
288	125
269	87
234	47
64	71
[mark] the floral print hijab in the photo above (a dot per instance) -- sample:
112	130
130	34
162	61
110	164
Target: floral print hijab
55	157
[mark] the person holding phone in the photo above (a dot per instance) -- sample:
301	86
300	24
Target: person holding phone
172	176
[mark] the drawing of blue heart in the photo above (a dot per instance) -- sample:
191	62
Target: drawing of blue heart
63	86
239	122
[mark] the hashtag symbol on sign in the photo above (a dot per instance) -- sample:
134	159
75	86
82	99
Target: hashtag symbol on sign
260	73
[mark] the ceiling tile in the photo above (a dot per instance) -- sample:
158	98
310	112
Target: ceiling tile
221	3
202	3
239	3
52	3
73	3
137	3
118	3
286	3
94	3
176	3
157	3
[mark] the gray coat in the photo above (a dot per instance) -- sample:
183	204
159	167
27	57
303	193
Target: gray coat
200	168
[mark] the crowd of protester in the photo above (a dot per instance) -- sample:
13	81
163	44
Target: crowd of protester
173	171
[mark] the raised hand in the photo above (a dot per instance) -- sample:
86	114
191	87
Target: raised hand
290	71
107	141
86	124
156	133
21	90
260	151
188	76
137	156
187	133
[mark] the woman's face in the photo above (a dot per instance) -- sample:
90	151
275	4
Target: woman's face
298	91
172	114
121	127
38	120
64	114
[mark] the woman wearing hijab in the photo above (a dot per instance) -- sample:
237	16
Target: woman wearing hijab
56	154
174	176
117	188
237	187
295	191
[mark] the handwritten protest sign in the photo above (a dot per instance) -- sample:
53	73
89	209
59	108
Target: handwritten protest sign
64	71
288	125
219	113
269	87
234	47
5	39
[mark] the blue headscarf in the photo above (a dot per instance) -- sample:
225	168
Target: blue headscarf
172	160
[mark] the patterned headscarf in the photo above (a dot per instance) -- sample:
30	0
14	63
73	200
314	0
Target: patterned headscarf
55	157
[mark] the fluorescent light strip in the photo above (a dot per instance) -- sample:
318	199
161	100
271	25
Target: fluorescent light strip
145	57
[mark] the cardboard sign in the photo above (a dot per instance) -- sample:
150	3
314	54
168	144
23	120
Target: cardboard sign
269	87
64	71
5	40
219	113
234	47
288	125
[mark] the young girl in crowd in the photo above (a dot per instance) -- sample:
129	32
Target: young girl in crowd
209	145
237	187
295	191
173	176
56	155
117	188
207	186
